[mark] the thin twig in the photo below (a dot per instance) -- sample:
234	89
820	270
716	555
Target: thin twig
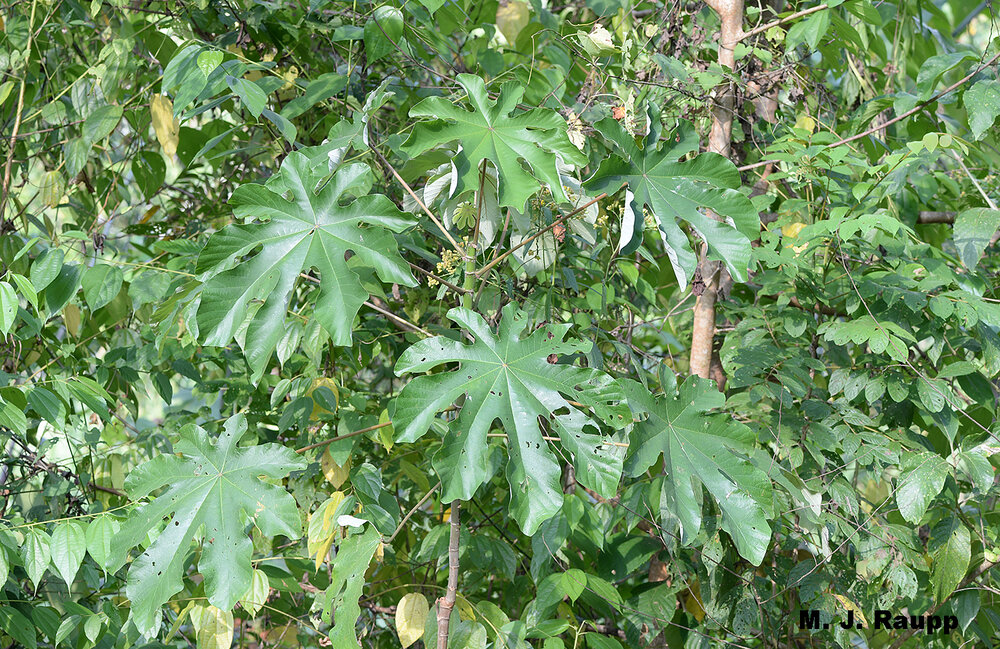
17	112
411	512
345	436
485	269
774	23
400	321
441	280
406	186
883	125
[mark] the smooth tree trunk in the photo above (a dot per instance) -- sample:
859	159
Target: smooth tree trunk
703	334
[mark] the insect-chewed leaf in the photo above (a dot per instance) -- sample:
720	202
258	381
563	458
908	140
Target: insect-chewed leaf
698	448
672	189
313	229
215	484
507	377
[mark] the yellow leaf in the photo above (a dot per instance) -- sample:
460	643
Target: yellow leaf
512	17
380	553
791	230
331	385
849	605
465	609
166	127
386	435
287	91
335	474
692	603
71	318
213	627
52	188
323	551
322	528
411	616
806	122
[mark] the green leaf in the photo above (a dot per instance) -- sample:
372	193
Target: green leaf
46	268
507	377
253	98
215	484
349	566
101	284
99	534
320	89
18	627
702	449
286	128
973	229
982	102
208	61
491	131
952	549
256	595
100	123
673	190
808	30
8	307
36	554
922	477
68	547
12	418
313	230
383	32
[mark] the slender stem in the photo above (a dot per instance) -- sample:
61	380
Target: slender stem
406	324
485	269
774	23
447	603
5	190
345	436
406	186
441	280
411	512
986	197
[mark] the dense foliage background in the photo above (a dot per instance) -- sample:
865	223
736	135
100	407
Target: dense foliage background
480	324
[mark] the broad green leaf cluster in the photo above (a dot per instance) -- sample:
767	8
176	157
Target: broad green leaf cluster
332	324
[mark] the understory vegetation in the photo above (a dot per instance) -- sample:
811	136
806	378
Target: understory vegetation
499	325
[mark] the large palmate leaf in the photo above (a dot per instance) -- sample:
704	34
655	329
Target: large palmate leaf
509	378
674	190
216	485
702	449
312	230
491	132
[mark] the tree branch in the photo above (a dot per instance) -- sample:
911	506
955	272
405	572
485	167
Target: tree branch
447	603
774	23
485	269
